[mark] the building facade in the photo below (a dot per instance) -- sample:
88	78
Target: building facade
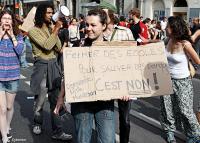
27	5
154	9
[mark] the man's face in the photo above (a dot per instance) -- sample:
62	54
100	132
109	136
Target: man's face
48	15
195	21
94	27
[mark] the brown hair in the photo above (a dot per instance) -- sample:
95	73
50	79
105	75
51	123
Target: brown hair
15	24
135	11
101	13
111	16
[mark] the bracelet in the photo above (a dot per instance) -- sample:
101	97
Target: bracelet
14	39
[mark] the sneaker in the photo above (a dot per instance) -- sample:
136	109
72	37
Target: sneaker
170	137
9	135
61	136
37	129
24	66
6	140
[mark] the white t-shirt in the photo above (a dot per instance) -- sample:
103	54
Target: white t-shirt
163	25
178	65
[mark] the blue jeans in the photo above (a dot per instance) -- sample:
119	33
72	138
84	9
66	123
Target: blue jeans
27	42
9	86
102	113
23	61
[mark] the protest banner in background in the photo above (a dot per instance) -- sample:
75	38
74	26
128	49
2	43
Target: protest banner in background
29	20
104	73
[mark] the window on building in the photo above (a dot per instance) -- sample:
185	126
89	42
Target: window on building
180	3
194	12
158	10
158	14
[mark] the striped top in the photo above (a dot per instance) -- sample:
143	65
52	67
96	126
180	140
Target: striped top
122	34
9	62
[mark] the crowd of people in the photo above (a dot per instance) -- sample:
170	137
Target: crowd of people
48	40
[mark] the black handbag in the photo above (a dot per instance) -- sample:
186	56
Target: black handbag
75	41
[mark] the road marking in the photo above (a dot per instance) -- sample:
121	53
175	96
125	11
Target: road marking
22	77
27	82
117	138
30	64
153	122
30	97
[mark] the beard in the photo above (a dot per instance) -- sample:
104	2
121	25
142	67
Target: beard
47	22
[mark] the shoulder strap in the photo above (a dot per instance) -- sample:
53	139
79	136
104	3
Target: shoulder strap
16	53
113	34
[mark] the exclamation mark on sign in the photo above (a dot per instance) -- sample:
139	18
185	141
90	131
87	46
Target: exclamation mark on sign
155	81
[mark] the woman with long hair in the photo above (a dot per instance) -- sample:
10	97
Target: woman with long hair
177	108
99	112
11	46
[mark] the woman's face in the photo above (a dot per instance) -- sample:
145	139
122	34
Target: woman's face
94	27
6	21
74	22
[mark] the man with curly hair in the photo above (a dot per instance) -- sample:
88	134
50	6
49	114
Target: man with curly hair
46	74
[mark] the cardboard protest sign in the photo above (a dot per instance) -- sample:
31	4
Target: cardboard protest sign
93	73
29	20
115	43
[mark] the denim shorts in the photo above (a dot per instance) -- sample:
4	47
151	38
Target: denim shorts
9	86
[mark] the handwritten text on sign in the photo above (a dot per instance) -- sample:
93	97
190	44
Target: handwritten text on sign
100	73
